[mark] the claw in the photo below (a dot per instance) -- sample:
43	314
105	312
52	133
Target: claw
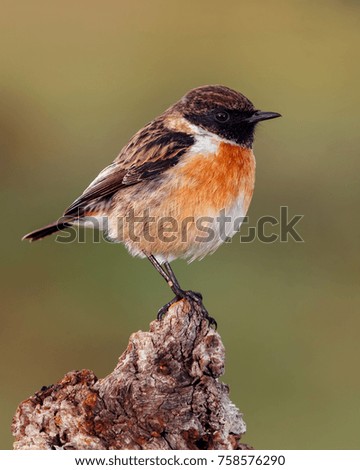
162	311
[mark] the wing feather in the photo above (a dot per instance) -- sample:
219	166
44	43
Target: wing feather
151	151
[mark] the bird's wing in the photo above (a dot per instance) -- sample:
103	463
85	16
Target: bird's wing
151	151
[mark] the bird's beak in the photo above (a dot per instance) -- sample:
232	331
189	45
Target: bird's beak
261	116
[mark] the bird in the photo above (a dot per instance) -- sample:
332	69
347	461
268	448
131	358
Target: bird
179	188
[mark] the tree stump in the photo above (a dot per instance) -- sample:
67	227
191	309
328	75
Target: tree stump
163	394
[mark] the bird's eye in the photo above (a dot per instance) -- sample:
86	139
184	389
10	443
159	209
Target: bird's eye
222	116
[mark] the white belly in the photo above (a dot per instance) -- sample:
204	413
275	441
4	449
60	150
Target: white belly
215	229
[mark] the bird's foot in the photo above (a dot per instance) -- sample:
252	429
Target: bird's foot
191	297
198	298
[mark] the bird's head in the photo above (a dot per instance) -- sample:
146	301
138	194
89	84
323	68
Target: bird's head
224	112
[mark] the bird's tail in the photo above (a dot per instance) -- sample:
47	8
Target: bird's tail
45	231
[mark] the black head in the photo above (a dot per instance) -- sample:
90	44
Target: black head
224	112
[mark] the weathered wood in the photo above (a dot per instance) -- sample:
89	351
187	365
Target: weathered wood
163	394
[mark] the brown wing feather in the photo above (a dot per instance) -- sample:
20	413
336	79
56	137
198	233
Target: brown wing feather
151	151
99	190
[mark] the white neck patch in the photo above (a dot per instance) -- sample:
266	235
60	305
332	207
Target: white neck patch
207	142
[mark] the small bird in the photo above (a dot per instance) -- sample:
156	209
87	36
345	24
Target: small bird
173	188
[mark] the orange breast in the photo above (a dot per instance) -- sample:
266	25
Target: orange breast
213	182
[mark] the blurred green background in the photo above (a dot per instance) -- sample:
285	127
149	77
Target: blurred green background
77	80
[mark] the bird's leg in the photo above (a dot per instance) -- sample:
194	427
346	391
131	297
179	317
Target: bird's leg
172	282
172	276
194	295
169	276
173	285
188	294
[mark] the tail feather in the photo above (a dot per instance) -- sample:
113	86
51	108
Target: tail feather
45	231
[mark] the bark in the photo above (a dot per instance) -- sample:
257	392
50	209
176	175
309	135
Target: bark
163	394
